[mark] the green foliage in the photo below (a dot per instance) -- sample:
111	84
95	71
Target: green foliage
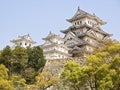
18	81
102	71
35	57
5	57
5	84
35	63
19	59
115	71
115	49
29	74
3	72
26	62
73	76
44	80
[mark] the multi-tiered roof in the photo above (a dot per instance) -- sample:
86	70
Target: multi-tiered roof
85	33
54	47
82	14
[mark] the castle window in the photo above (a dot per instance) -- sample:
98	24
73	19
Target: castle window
25	43
30	45
88	22
20	43
80	22
75	23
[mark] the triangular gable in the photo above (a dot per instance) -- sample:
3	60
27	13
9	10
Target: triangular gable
91	32
71	42
71	35
47	43
71	38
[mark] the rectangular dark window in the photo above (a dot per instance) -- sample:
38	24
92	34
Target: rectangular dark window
75	23
20	43
80	22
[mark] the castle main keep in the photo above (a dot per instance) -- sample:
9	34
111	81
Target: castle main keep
85	34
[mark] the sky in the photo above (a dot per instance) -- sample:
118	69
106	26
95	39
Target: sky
39	17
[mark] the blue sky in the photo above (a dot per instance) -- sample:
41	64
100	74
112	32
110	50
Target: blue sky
38	17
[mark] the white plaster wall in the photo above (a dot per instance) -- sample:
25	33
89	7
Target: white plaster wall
61	49
90	22
83	21
54	56
47	43
23	44
55	40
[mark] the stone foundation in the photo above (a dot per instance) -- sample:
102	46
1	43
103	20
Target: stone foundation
56	66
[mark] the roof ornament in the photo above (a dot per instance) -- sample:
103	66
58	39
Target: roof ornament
78	8
94	14
50	32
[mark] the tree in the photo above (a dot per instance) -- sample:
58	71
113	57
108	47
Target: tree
115	72
98	72
5	58
35	58
18	81
19	59
35	63
29	74
95	75
102	71
5	84
73	76
26	62
45	80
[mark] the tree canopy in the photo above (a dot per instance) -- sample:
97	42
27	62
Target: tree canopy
102	71
23	61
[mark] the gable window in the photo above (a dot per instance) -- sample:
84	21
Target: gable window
20	43
80	22
75	23
88	22
25	43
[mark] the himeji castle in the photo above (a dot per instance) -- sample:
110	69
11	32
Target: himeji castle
85	33
80	40
23	41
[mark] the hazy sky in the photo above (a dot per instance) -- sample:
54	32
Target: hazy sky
38	17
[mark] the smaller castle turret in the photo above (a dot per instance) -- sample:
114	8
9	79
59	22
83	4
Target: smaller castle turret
54	47
23	41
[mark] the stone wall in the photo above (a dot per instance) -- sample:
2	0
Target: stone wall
56	66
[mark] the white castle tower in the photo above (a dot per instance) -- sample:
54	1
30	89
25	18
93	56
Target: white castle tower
54	47
84	34
23	41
